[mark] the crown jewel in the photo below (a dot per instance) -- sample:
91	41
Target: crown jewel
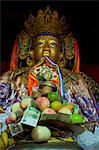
46	22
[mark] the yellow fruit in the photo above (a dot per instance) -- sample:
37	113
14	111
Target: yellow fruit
11	141
1	144
56	105
70	139
54	140
5	138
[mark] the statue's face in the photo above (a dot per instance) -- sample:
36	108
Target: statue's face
46	45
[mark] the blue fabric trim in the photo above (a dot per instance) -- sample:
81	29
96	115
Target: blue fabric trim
45	34
61	78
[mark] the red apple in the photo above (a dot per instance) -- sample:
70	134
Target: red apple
43	102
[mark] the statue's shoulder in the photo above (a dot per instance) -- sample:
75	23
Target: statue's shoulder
66	73
12	74
92	84
70	76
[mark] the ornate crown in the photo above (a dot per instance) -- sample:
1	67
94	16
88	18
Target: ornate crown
46	22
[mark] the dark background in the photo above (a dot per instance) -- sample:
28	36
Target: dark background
83	18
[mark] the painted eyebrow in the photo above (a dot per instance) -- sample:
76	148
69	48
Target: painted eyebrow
40	41
52	41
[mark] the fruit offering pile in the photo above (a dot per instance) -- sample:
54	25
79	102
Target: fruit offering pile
27	113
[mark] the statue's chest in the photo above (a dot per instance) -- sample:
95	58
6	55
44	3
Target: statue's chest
45	74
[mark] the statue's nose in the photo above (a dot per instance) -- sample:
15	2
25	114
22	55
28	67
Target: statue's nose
46	46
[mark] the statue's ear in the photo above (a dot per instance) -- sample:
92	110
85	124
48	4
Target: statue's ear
32	62
32	53
60	58
60	55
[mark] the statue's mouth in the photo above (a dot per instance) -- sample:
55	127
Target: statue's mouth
46	53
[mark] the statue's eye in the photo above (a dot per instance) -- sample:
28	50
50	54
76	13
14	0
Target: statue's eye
40	44
53	44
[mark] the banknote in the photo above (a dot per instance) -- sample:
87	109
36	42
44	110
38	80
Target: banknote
31	116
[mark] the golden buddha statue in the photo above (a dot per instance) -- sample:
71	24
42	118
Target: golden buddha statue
46	41
45	60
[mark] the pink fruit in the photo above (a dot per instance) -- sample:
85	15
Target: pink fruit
43	103
48	111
